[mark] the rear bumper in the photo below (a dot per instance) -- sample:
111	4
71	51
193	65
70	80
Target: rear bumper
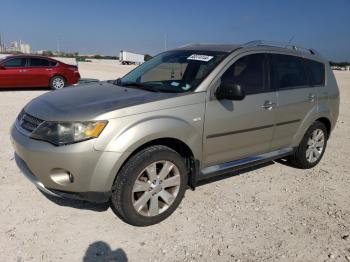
72	80
97	197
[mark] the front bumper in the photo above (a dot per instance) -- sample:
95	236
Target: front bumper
97	197
92	171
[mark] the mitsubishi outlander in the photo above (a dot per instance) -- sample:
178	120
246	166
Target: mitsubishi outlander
187	115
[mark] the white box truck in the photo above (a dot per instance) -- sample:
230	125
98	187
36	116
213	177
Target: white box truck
128	58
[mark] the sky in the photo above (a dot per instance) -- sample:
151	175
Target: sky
106	27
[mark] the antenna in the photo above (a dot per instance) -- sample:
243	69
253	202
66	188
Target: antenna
291	39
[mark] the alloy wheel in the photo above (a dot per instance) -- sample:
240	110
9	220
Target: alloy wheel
58	83
156	188
315	146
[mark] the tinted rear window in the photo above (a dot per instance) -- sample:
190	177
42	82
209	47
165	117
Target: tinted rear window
316	72
38	62
16	62
288	71
52	63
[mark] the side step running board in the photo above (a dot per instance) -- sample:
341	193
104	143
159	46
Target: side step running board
228	167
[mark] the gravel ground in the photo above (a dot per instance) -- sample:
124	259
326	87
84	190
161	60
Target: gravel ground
276	213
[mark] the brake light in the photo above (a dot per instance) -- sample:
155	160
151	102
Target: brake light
74	69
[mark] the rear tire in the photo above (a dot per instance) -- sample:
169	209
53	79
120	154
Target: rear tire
150	186
311	149
57	82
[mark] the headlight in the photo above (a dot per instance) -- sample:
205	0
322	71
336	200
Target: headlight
63	133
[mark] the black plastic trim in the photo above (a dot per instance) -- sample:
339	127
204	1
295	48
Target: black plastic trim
288	122
249	165
95	197
239	131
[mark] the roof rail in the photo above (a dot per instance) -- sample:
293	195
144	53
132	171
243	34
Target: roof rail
189	44
280	44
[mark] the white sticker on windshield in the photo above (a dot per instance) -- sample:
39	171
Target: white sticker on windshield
186	87
204	58
175	83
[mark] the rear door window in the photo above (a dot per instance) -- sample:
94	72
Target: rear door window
288	72
316	72
38	62
52	63
248	72
15	62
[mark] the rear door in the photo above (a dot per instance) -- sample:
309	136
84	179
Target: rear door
13	74
38	72
295	98
237	129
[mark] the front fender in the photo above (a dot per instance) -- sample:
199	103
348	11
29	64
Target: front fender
124	135
154	128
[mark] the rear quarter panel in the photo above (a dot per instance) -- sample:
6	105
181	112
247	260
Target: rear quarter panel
327	105
329	98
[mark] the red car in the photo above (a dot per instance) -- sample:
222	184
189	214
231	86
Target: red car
36	71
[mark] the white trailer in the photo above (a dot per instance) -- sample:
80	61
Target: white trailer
128	58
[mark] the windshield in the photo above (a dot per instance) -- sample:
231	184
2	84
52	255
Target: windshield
173	71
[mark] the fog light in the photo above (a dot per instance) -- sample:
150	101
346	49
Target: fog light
61	176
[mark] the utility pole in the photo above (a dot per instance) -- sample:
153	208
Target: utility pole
58	46
165	42
1	45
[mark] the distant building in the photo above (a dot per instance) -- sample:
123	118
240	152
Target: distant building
41	52
15	46
2	45
24	48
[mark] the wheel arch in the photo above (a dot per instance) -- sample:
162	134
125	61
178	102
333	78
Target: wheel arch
175	144
60	75
327	123
311	118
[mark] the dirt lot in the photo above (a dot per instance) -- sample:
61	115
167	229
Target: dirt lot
277	213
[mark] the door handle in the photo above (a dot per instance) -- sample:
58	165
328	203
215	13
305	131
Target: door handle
48	69
268	105
23	70
311	97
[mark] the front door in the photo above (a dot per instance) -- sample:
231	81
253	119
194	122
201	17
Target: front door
237	129
12	75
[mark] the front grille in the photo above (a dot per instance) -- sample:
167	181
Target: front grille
28	122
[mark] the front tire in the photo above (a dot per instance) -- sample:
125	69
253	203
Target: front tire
150	186
57	82
311	149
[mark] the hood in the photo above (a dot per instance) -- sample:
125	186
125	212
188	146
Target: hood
89	101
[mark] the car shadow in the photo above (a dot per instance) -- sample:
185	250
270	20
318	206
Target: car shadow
100	251
24	89
82	82
78	204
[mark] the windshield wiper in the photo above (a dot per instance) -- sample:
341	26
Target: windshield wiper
139	86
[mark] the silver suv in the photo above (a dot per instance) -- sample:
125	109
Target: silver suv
177	121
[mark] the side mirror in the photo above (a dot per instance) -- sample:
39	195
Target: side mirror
2	67
229	91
